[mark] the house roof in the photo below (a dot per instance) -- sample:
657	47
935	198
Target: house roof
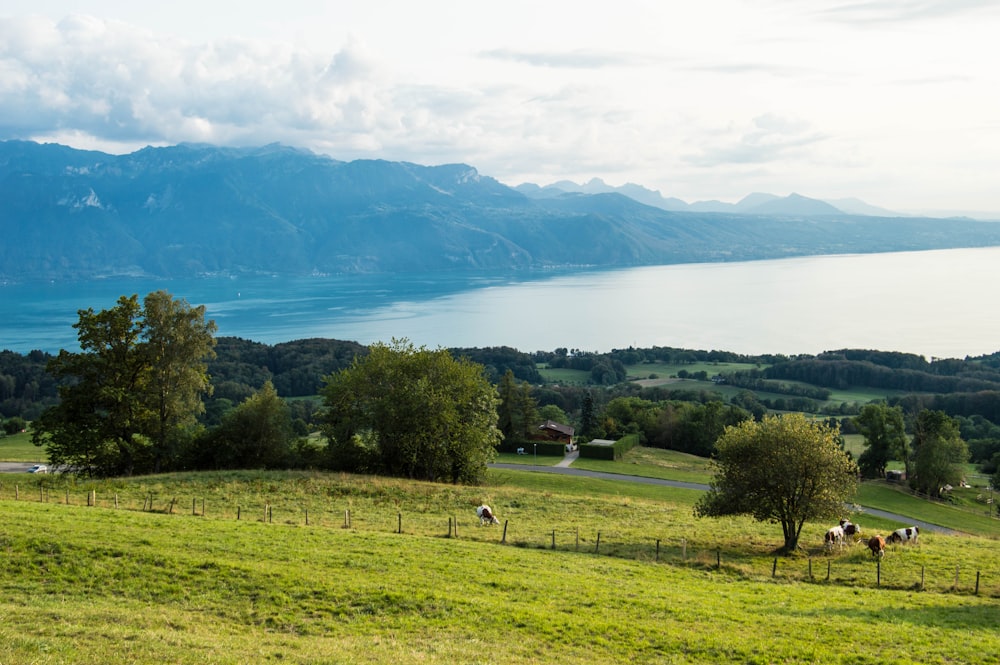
557	427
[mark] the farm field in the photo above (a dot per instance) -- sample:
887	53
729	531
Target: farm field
19	448
195	568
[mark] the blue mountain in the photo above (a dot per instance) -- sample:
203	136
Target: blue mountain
196	209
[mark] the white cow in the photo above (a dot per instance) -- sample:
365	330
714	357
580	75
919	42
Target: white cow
905	535
834	536
486	515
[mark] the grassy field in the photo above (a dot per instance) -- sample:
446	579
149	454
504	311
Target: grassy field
633	577
19	448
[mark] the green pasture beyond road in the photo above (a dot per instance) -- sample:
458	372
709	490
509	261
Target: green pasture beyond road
19	448
301	567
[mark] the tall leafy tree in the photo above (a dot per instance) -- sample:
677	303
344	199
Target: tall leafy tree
938	452
412	412
588	417
178	344
257	434
518	411
885	438
112	417
783	469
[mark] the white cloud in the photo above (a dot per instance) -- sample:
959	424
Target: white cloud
892	101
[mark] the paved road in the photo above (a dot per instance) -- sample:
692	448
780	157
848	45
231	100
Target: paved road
569	471
17	467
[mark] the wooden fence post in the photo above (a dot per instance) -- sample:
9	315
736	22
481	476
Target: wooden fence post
810	568
553	538
307	517
41	494
577	539
597	548
977	582
449	527
828	570
718	557
504	539
239	509
399	522
657	549
116	500
774	567
17	493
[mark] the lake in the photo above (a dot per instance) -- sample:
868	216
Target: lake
933	303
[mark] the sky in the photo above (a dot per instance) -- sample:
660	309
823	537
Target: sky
895	102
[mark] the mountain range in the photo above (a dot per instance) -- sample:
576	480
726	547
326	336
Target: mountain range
753	204
190	210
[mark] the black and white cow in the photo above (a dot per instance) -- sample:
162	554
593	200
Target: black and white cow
852	531
834	536
486	515
905	535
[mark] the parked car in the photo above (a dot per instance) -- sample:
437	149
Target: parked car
38	468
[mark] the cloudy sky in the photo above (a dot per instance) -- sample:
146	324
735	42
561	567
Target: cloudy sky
896	102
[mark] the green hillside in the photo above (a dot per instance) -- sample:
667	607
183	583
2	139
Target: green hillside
262	567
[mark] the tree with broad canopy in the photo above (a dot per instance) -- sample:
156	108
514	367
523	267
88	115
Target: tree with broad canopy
133	387
411	412
784	469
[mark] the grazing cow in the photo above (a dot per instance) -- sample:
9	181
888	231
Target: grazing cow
486	515
851	531
904	535
877	545
834	536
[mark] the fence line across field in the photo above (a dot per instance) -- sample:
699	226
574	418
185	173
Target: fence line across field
610	543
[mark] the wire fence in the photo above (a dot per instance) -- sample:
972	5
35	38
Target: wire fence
902	568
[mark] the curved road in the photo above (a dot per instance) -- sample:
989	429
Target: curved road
562	468
17	467
569	471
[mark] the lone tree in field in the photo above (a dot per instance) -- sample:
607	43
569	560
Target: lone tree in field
783	469
411	412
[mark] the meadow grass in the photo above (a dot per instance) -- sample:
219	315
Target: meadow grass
667	370
87	584
654	463
19	448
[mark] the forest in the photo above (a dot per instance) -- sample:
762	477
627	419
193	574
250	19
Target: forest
685	415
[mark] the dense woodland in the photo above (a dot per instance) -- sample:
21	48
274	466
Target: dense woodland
686	416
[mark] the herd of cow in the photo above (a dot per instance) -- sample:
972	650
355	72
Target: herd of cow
836	536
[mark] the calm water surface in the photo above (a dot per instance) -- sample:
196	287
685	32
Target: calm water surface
937	304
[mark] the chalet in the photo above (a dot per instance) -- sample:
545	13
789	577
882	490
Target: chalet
553	431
